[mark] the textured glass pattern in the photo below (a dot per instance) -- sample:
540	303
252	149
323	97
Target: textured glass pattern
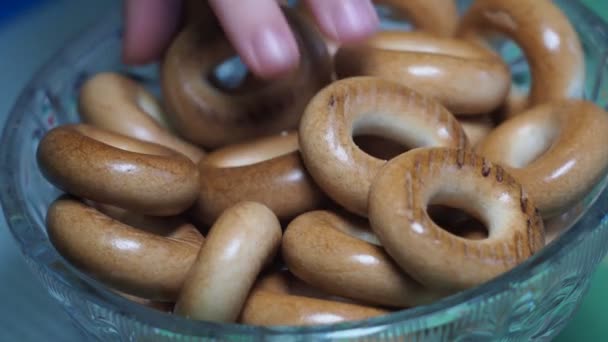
532	302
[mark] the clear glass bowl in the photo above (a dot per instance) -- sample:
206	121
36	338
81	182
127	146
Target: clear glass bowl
532	302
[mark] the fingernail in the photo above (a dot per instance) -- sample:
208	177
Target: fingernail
353	19
274	51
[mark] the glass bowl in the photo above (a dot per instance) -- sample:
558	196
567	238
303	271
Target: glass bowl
534	301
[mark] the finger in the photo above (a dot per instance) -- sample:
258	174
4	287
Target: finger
345	21
260	34
149	28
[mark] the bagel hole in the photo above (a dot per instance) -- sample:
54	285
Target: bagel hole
232	76
512	54
385	136
516	60
521	77
458	222
379	147
390	19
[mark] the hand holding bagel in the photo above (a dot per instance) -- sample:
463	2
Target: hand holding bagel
353	185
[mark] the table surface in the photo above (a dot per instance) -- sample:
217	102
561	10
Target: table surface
28	313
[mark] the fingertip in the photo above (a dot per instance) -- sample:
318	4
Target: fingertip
134	54
149	28
273	52
260	34
346	21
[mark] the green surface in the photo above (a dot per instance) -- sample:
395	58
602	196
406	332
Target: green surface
590	323
599	6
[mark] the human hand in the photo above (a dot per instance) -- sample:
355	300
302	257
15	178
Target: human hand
256	28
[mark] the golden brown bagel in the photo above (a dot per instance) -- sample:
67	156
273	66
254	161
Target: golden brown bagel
463	77
268	308
351	225
113	169
148	264
284	282
557	151
243	239
367	105
544	33
338	263
119	104
152	224
211	117
516	103
268	170
407	184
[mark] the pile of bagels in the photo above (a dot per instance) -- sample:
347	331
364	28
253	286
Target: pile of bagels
376	177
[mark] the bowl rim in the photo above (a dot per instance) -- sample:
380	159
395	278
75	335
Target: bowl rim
16	217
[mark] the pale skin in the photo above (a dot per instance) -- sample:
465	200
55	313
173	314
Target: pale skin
256	28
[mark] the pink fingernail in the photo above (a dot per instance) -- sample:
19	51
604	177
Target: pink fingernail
274	51
353	19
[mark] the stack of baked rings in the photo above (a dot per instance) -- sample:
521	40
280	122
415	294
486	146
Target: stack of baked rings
376	177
